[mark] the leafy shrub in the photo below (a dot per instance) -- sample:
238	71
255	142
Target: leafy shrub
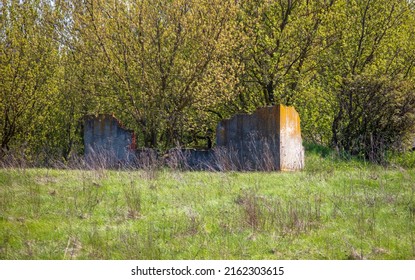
374	115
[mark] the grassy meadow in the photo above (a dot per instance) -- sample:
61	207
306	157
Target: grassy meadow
331	210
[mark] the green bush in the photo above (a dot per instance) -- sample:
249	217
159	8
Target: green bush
374	115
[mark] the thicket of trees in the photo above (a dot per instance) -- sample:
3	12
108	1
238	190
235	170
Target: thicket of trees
171	69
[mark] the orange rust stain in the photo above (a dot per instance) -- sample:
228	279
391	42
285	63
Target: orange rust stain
290	121
133	144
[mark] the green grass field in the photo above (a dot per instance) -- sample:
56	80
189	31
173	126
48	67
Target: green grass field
332	210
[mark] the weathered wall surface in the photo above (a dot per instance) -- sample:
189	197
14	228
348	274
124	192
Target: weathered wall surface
251	141
106	138
269	139
291	147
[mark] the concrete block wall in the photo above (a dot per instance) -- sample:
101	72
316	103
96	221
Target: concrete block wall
106	138
268	139
291	143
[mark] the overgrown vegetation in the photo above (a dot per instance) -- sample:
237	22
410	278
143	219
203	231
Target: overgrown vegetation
170	70
334	209
373	116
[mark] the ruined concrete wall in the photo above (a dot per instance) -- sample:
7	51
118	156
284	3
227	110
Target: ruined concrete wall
291	147
106	139
269	139
190	159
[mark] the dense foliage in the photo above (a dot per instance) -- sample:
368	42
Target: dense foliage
171	69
